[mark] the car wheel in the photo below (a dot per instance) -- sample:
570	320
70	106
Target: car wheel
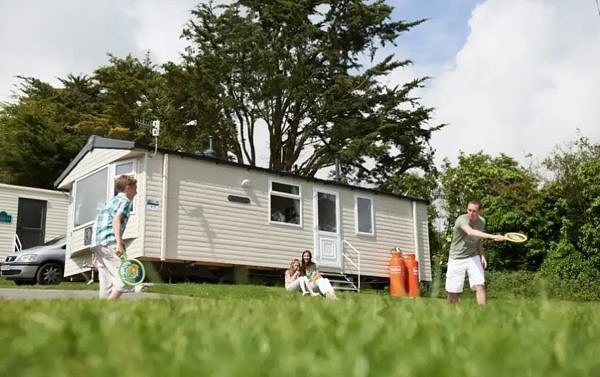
49	273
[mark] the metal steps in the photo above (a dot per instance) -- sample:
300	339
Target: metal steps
340	281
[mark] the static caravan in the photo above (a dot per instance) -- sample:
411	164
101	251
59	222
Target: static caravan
30	216
206	211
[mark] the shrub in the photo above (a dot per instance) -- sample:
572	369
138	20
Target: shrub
518	284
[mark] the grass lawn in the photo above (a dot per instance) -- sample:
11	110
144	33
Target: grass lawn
245	330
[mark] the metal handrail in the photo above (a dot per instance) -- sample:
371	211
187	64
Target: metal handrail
18	246
357	266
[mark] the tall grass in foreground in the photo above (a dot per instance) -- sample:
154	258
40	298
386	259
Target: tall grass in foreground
260	331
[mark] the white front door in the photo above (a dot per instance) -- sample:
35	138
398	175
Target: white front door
326	209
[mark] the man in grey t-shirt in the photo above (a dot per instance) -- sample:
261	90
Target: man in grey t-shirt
466	254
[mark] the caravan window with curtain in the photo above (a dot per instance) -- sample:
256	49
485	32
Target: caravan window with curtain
285	203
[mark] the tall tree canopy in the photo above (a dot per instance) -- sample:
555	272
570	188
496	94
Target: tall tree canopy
307	74
47	126
130	90
571	210
36	139
299	81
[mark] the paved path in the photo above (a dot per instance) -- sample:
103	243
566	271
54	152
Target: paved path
34	294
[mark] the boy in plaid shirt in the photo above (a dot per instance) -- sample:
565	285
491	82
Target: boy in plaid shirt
107	239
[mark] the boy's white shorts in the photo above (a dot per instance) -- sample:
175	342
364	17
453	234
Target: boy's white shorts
455	275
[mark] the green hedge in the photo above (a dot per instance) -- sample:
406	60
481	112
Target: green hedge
536	284
525	284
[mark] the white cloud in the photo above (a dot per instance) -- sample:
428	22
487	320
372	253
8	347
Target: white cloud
50	39
160	26
526	79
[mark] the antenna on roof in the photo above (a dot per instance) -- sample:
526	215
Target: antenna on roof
154	131
210	151
338	170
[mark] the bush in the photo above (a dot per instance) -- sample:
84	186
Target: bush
512	284
575	289
519	284
525	284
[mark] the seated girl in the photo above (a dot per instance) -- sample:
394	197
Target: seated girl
315	280
294	282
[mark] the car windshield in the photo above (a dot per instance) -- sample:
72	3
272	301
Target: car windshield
54	240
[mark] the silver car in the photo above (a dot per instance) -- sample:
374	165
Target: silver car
40	264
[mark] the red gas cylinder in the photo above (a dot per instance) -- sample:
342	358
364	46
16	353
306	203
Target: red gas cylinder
413	275
397	274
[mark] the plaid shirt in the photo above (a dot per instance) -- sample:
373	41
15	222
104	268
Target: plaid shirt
104	233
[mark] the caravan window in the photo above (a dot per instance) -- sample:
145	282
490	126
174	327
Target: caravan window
364	216
124	168
285	203
127	168
92	191
90	196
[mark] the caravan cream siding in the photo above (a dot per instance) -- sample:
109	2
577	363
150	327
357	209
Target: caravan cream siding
422	241
153	213
393	228
204	226
93	160
193	220
56	213
78	257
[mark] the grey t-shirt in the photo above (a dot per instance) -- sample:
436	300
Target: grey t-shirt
463	246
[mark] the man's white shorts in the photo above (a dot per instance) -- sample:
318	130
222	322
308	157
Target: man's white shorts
455	275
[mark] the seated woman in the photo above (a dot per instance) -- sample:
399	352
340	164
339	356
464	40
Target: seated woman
293	280
311	272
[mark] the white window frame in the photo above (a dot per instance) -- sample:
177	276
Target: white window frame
285	195
110	186
76	186
133	172
356	214
123	162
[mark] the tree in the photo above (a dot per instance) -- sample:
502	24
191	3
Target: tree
34	135
294	71
425	186
129	90
307	74
47	126
572	211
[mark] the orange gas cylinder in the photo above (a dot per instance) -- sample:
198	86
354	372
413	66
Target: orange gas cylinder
397	274
413	275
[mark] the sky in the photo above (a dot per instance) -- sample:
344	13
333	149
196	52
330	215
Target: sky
519	77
